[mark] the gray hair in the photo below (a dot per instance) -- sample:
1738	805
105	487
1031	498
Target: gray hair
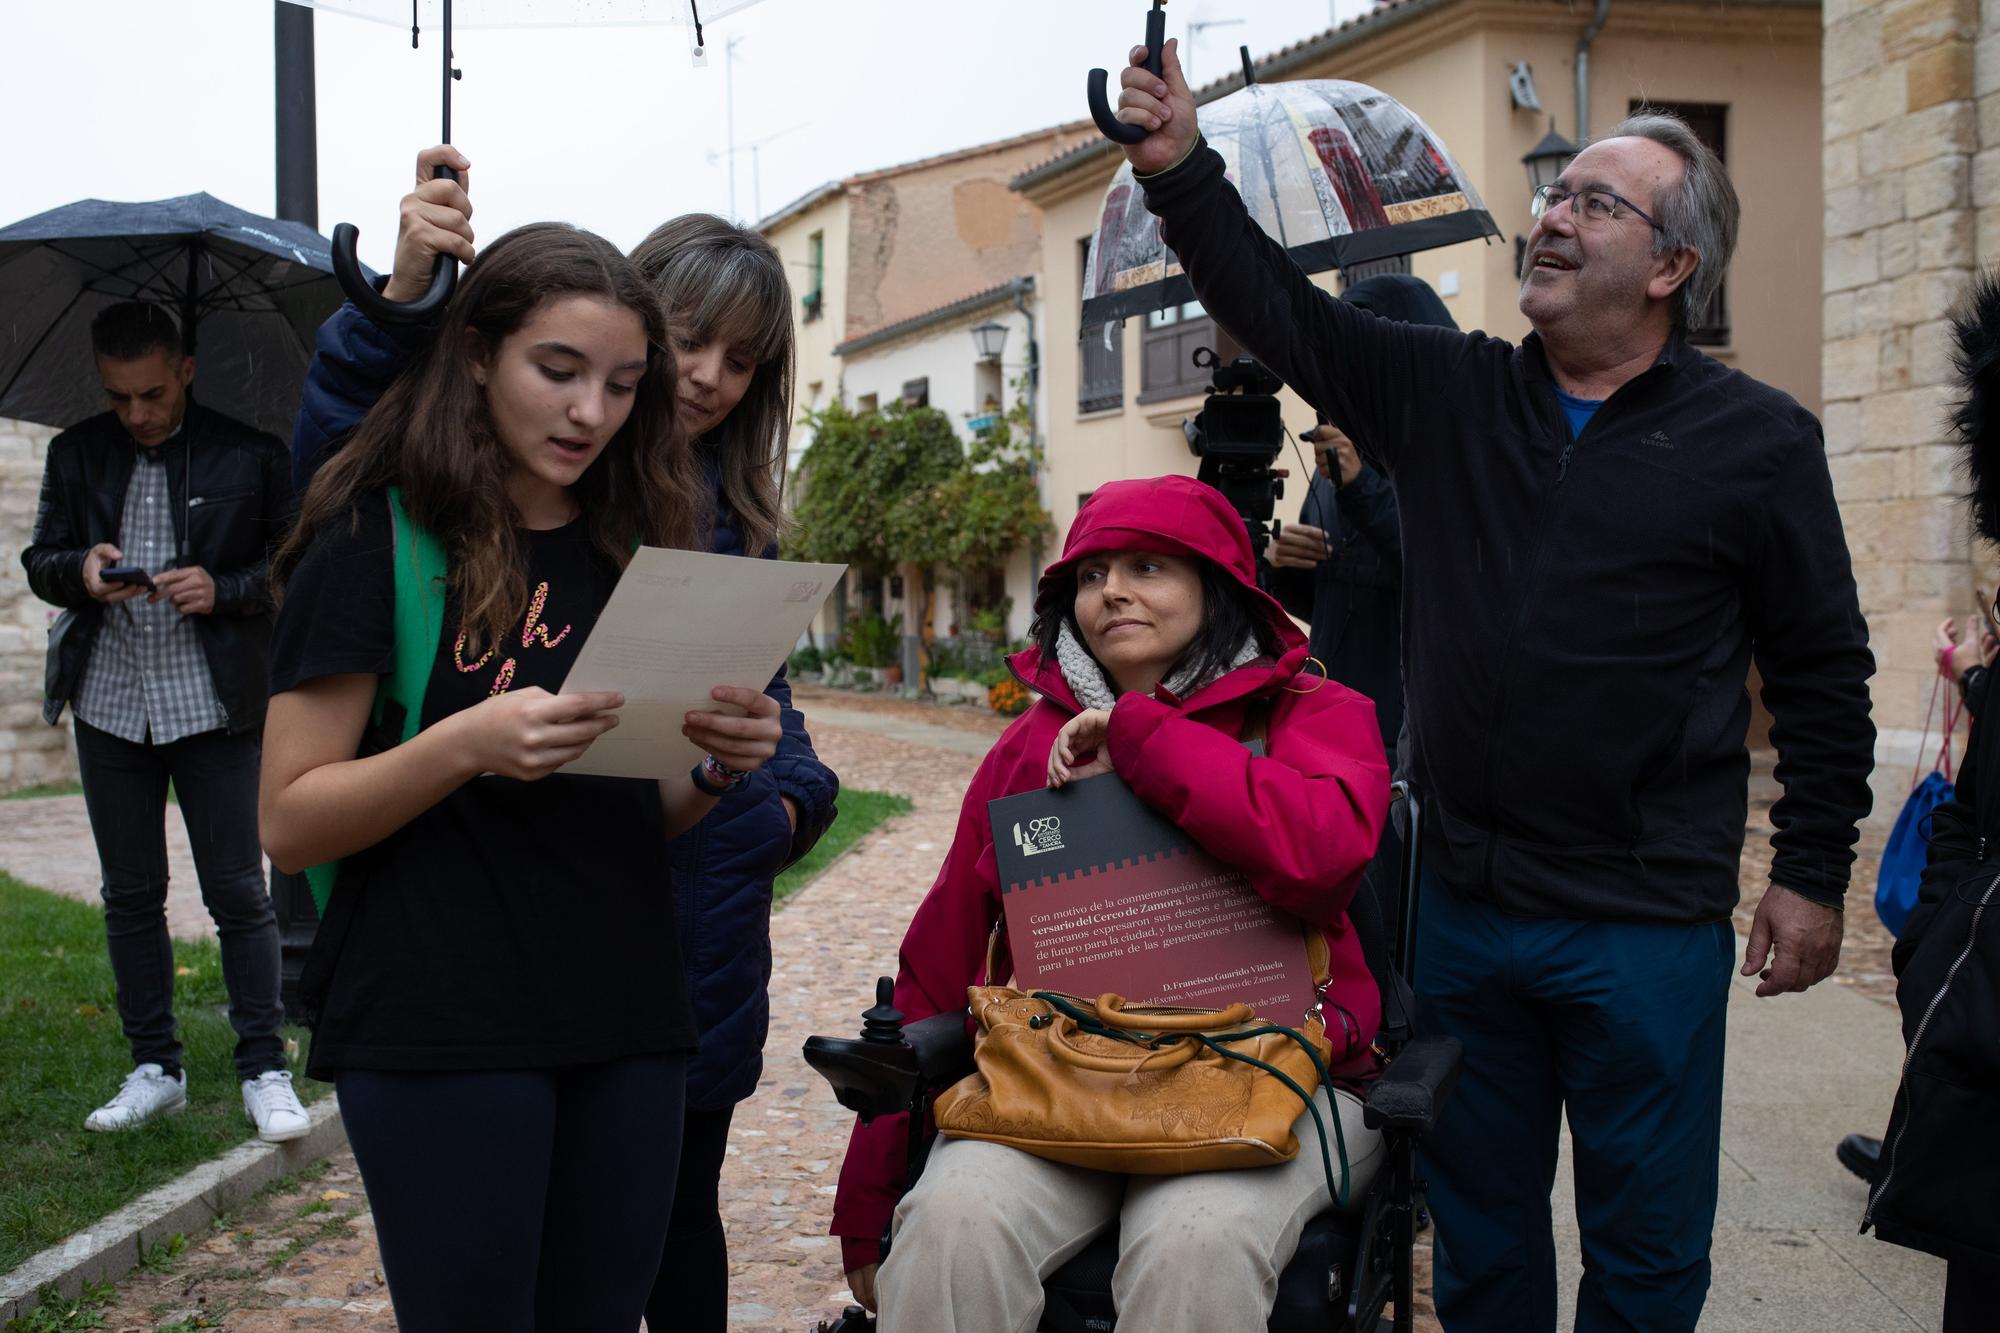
1699	214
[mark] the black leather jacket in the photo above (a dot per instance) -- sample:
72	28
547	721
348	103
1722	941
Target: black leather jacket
239	509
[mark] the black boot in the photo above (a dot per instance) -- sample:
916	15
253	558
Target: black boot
1861	1155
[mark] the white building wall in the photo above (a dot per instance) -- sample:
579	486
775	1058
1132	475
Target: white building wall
944	355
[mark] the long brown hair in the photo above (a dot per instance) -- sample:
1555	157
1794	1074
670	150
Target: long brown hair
432	433
724	283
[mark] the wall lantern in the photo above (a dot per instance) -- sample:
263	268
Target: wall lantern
1546	160
989	338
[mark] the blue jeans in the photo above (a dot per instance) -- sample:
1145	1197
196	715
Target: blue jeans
214	776
1618	1024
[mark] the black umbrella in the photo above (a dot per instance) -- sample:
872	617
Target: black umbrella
251	290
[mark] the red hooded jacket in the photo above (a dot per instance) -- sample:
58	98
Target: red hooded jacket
1301	823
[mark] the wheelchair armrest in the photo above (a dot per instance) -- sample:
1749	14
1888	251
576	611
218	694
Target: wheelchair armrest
943	1045
870	1078
1410	1092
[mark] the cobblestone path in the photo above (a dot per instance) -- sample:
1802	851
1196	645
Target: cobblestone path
305	1258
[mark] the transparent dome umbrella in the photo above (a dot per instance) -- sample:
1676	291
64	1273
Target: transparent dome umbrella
437	16
1338	173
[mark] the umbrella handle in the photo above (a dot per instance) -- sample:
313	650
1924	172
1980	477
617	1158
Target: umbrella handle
347	268
1108	124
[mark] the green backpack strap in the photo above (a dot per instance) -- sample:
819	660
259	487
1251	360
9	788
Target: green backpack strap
418	559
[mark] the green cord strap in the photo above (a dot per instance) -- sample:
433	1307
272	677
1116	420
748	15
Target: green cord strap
1091	1024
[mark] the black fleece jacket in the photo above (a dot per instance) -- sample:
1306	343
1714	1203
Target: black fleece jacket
1580	613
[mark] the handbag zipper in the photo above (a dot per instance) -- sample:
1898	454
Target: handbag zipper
1916	1040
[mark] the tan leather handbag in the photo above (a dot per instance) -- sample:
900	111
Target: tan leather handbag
1140	1089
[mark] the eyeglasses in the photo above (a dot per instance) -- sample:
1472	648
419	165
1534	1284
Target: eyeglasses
1589	206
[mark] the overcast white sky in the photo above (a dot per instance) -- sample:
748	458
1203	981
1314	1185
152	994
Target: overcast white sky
609	128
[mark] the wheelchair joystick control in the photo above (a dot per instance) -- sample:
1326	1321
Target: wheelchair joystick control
884	1023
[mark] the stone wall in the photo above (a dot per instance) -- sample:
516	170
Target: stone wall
1912	171
31	751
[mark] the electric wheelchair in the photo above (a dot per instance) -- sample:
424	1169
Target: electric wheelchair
1349	1267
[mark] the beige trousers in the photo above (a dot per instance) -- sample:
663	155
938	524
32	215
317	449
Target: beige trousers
985	1224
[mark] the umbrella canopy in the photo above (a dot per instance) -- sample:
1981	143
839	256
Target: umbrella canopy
251	291
1336	172
536	13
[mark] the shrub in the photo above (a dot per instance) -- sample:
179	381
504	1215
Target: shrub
807	661
1009	697
872	641
947	659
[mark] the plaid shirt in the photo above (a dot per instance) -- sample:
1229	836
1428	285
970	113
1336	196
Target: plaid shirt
147	679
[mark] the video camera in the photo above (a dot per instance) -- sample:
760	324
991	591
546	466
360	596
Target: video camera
1237	436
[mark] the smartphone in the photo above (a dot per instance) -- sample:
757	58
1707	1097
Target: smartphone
128	574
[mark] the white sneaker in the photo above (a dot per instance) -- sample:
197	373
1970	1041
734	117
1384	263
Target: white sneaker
147	1093
275	1107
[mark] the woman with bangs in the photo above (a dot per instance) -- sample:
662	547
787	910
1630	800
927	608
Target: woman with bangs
497	981
728	311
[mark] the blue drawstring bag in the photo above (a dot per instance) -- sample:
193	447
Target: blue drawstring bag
1909	844
1908	849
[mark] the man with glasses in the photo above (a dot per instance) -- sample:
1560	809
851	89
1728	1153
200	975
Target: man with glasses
1602	529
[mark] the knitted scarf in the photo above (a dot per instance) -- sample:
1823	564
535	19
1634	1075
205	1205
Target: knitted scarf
1093	689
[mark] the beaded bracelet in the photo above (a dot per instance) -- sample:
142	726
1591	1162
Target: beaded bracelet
712	778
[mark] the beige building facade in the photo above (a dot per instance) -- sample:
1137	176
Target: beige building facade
880	265
871	250
1912	208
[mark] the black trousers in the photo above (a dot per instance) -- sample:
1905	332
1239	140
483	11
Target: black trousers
519	1201
1971	1298
214	777
691	1294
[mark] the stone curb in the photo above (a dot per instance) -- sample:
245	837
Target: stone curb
113	1247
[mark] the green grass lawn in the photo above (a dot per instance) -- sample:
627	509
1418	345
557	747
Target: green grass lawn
65	789
860	811
44	789
62	1054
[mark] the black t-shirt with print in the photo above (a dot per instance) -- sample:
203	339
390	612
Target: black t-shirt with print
513	924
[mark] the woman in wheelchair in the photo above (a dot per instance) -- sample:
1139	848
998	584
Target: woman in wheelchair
1154	654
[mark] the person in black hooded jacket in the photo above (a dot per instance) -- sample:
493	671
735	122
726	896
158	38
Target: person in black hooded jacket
1602	528
1340	567
1940	1160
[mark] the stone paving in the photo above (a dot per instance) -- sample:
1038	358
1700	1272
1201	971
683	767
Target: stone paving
49	845
317	1267
830	940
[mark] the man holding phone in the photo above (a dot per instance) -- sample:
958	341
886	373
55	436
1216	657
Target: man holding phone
154	533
